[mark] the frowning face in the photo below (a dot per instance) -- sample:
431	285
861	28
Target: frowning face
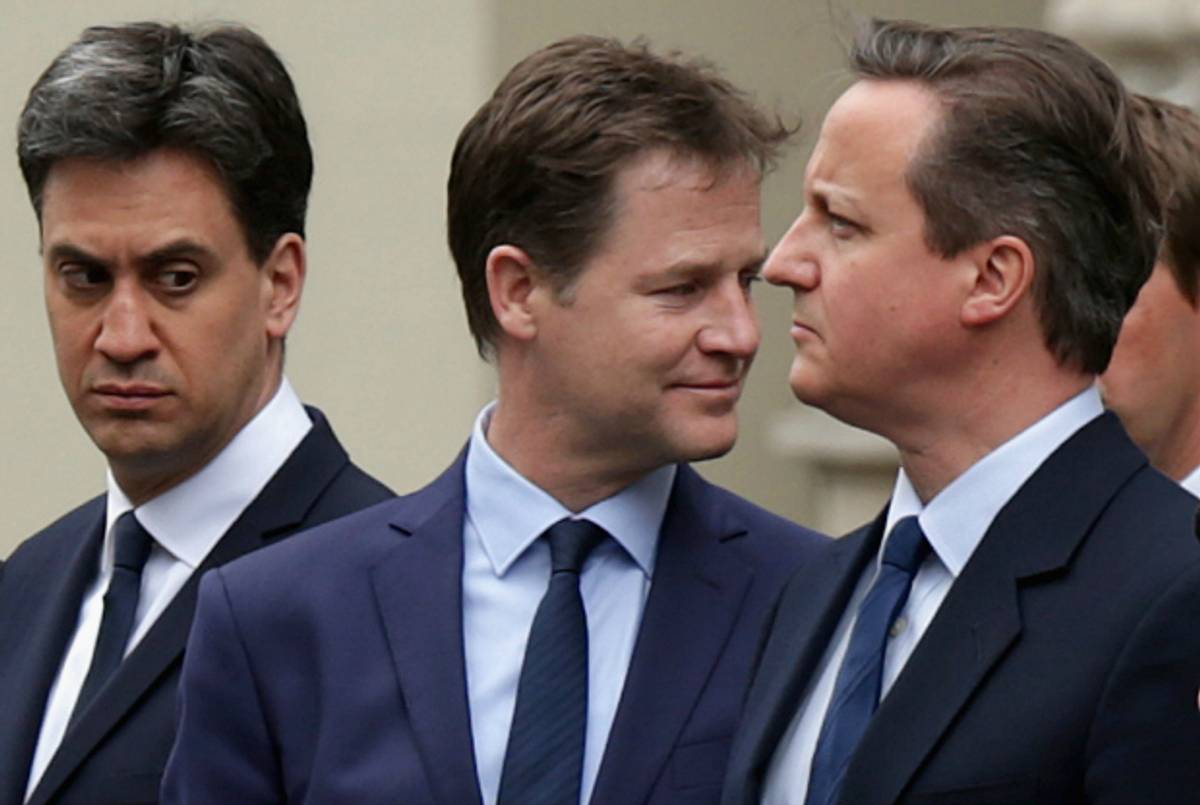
166	332
873	304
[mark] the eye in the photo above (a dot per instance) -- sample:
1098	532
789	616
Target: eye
841	227
83	276
682	290
177	278
748	279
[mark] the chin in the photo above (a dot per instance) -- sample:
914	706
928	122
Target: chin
710	441
804	390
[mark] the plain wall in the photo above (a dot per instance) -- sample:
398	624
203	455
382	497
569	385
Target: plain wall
381	344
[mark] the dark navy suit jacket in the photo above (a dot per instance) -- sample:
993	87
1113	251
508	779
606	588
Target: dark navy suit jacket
1062	667
116	752
330	669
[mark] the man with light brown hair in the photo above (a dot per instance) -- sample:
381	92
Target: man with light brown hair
570	613
1153	381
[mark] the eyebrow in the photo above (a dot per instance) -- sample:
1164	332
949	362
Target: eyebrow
71	253
175	250
688	267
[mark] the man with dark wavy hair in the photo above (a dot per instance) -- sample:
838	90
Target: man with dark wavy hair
1019	623
570	612
169	171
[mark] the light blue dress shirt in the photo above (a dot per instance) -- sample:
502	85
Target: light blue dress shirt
506	570
954	522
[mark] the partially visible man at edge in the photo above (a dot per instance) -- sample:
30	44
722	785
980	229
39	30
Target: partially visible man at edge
569	613
1019	623
169	171
1153	381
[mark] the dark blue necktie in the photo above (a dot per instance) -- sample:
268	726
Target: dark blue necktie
132	545
544	759
856	692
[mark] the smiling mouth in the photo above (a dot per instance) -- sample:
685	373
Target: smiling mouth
731	386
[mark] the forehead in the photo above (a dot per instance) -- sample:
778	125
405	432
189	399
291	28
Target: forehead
871	134
161	194
671	199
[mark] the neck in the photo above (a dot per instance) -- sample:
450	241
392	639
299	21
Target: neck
544	452
952	441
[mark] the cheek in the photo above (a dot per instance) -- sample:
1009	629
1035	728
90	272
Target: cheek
1136	332
71	340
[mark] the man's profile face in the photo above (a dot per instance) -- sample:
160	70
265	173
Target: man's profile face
646	353
1154	375
157	311
872	302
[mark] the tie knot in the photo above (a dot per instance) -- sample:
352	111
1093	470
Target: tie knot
132	543
570	543
907	547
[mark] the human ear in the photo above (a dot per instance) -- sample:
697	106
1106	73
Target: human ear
1003	270
283	282
512	278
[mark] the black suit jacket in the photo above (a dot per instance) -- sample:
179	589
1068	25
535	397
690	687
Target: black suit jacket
1062	666
330	669
117	750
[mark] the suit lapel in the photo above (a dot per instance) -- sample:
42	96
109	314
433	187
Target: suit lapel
281	506
1031	541
806	618
41	632
418	587
695	598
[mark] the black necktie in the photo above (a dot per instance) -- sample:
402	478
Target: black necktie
544	760
860	679
120	604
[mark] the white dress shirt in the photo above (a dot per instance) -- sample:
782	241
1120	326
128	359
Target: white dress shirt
1192	482
506	570
954	522
186	522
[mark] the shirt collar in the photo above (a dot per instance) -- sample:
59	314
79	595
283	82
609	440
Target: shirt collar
956	519
1192	482
188	519
509	512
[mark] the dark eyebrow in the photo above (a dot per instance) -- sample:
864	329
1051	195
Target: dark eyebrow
69	252
818	199
177	250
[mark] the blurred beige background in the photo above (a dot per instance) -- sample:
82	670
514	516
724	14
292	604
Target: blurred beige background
381	344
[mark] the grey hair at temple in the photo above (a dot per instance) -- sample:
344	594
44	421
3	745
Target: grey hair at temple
120	92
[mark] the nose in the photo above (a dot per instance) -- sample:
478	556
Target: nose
126	330
733	329
791	262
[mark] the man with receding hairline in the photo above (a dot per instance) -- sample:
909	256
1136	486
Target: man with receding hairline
1018	624
569	613
169	171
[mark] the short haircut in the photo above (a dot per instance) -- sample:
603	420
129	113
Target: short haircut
535	166
1036	140
118	93
1172	135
